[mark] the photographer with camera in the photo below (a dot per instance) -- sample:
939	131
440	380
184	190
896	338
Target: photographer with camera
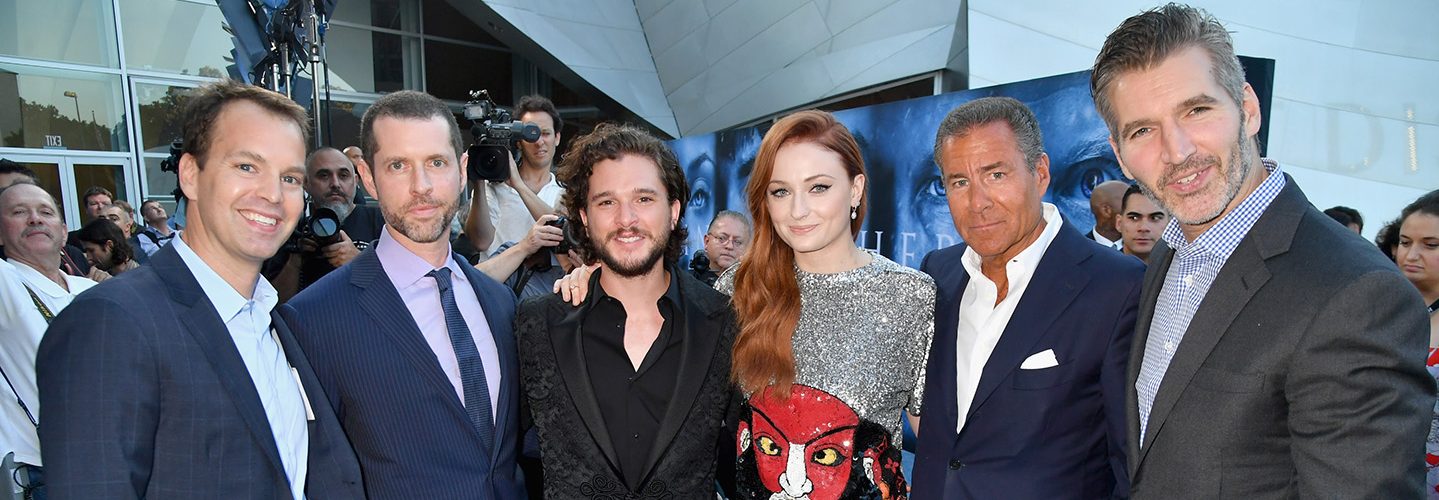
335	231
516	198
512	219
725	242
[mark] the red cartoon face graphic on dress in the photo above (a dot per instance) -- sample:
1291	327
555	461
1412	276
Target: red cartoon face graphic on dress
804	445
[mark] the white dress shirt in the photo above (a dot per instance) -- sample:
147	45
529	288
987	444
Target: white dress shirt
248	321
981	320
1104	241
21	327
508	213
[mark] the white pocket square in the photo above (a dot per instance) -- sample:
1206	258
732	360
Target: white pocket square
1040	360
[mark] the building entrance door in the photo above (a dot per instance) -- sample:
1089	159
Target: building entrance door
67	178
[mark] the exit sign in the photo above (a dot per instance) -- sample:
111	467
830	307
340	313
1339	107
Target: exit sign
54	141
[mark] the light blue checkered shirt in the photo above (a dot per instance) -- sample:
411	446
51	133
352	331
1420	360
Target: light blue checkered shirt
1193	269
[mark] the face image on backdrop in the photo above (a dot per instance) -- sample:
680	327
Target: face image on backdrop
696	155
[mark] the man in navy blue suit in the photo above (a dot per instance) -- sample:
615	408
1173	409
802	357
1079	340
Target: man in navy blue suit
176	379
1024	391
414	346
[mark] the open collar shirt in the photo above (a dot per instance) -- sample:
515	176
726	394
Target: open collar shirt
248	322
1193	269
981	320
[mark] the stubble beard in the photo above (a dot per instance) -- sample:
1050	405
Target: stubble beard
421	232
1237	169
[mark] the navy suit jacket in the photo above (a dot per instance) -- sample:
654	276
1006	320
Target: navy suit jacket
1046	433
412	435
143	394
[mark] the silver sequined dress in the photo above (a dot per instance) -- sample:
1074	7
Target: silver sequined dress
863	336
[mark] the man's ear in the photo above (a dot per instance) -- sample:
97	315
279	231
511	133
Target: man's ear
367	177
189	175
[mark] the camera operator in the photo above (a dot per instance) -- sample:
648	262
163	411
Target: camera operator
330	181
530	191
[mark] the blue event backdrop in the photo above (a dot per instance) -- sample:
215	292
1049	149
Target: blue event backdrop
908	215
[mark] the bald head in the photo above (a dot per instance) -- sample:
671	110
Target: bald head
1104	201
330	180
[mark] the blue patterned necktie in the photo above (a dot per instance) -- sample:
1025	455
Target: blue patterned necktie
472	369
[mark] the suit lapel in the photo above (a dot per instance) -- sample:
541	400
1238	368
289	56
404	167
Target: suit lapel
1052	288
1242	275
204	325
566	338
381	301
504	337
950	279
1153	280
697	348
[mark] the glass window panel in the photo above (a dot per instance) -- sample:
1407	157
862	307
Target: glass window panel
175	36
111	177
160	107
76	31
370	61
344	124
393	14
80	110
441	19
452	70
159	185
47	175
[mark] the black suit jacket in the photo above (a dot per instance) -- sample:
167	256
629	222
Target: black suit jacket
143	394
1045	433
579	459
412	435
1300	376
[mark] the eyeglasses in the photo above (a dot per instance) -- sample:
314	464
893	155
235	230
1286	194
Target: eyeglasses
725	239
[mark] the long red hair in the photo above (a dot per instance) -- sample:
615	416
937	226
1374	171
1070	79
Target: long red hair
766	293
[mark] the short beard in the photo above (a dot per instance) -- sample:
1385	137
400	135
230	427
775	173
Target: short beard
416	232
341	209
1240	168
645	264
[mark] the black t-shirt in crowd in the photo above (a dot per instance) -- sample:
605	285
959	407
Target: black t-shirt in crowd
632	402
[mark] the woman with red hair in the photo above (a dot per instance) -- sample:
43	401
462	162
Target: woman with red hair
833	338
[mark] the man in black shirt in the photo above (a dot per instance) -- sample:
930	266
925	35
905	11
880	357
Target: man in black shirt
630	390
330	182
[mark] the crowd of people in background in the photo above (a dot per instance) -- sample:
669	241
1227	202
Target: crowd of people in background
448	336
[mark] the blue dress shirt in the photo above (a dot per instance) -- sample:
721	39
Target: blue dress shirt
249	324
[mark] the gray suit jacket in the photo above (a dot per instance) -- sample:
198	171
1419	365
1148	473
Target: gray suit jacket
1301	375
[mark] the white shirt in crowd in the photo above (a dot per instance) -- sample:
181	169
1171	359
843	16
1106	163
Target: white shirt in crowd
981	321
508	213
21	327
1094	233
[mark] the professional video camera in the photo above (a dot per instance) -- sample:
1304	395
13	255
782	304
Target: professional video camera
172	163
496	134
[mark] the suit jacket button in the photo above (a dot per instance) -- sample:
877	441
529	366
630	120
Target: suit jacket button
956	465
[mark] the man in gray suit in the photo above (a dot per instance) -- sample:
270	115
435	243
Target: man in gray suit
1276	356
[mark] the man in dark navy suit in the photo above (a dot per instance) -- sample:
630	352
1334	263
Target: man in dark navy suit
176	379
1024	391
413	345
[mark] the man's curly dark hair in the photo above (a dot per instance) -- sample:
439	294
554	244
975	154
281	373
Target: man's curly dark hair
610	141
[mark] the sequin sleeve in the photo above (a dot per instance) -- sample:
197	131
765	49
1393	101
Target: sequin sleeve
924	336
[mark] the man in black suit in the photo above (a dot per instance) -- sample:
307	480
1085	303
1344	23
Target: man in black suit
176	380
412	344
630	389
1275	355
